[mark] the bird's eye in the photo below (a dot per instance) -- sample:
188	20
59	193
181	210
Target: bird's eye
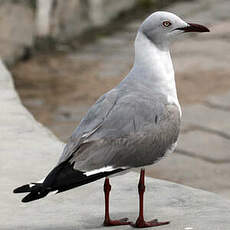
167	23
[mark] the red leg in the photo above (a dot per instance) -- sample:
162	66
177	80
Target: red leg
140	222
108	221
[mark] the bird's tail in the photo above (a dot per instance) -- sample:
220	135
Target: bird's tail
63	177
36	191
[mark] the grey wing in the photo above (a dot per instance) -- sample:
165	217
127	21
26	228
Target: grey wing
90	123
134	131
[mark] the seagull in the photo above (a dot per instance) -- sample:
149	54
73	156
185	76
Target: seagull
131	126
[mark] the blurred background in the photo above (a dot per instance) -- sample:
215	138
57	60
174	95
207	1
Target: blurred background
65	54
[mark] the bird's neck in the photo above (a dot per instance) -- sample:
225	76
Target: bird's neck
154	65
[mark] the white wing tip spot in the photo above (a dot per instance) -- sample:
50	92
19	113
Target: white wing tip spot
95	171
53	193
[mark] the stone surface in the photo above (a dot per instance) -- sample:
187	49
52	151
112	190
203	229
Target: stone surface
102	11
61	20
64	17
193	171
198	56
83	15
15	36
206	117
28	151
207	146
201	67
42	17
221	101
79	209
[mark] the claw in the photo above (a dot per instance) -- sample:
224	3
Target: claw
123	221
146	224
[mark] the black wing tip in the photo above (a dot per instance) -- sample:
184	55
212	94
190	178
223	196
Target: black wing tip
34	196
22	189
35	192
26	199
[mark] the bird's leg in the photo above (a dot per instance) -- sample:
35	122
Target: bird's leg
108	221
140	222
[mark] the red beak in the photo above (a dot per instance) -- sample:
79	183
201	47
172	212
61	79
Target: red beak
194	28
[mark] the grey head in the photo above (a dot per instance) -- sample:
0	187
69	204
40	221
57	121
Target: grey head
162	27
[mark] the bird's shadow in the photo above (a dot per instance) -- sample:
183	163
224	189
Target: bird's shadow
97	222
90	222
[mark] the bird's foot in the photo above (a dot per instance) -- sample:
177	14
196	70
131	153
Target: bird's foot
123	221
141	223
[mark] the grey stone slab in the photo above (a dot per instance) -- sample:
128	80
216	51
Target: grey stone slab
187	8
204	116
220	30
193	172
79	209
209	11
220	10
198	11
15	36
196	55
28	156
222	101
208	146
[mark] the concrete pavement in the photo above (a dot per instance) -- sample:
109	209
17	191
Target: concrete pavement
28	151
202	158
201	61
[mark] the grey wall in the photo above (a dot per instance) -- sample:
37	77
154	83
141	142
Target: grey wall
22	21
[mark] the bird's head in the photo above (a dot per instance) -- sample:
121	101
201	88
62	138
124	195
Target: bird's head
162	27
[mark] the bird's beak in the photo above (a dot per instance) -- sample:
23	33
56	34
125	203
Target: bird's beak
194	28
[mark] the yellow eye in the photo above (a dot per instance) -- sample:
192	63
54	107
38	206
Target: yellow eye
167	23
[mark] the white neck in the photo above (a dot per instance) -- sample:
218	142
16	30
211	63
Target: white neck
155	67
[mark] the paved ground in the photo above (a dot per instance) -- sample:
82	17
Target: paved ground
202	158
28	151
201	62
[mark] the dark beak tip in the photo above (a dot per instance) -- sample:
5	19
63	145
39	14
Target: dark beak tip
205	30
196	28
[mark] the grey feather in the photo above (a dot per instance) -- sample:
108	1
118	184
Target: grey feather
120	130
137	122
